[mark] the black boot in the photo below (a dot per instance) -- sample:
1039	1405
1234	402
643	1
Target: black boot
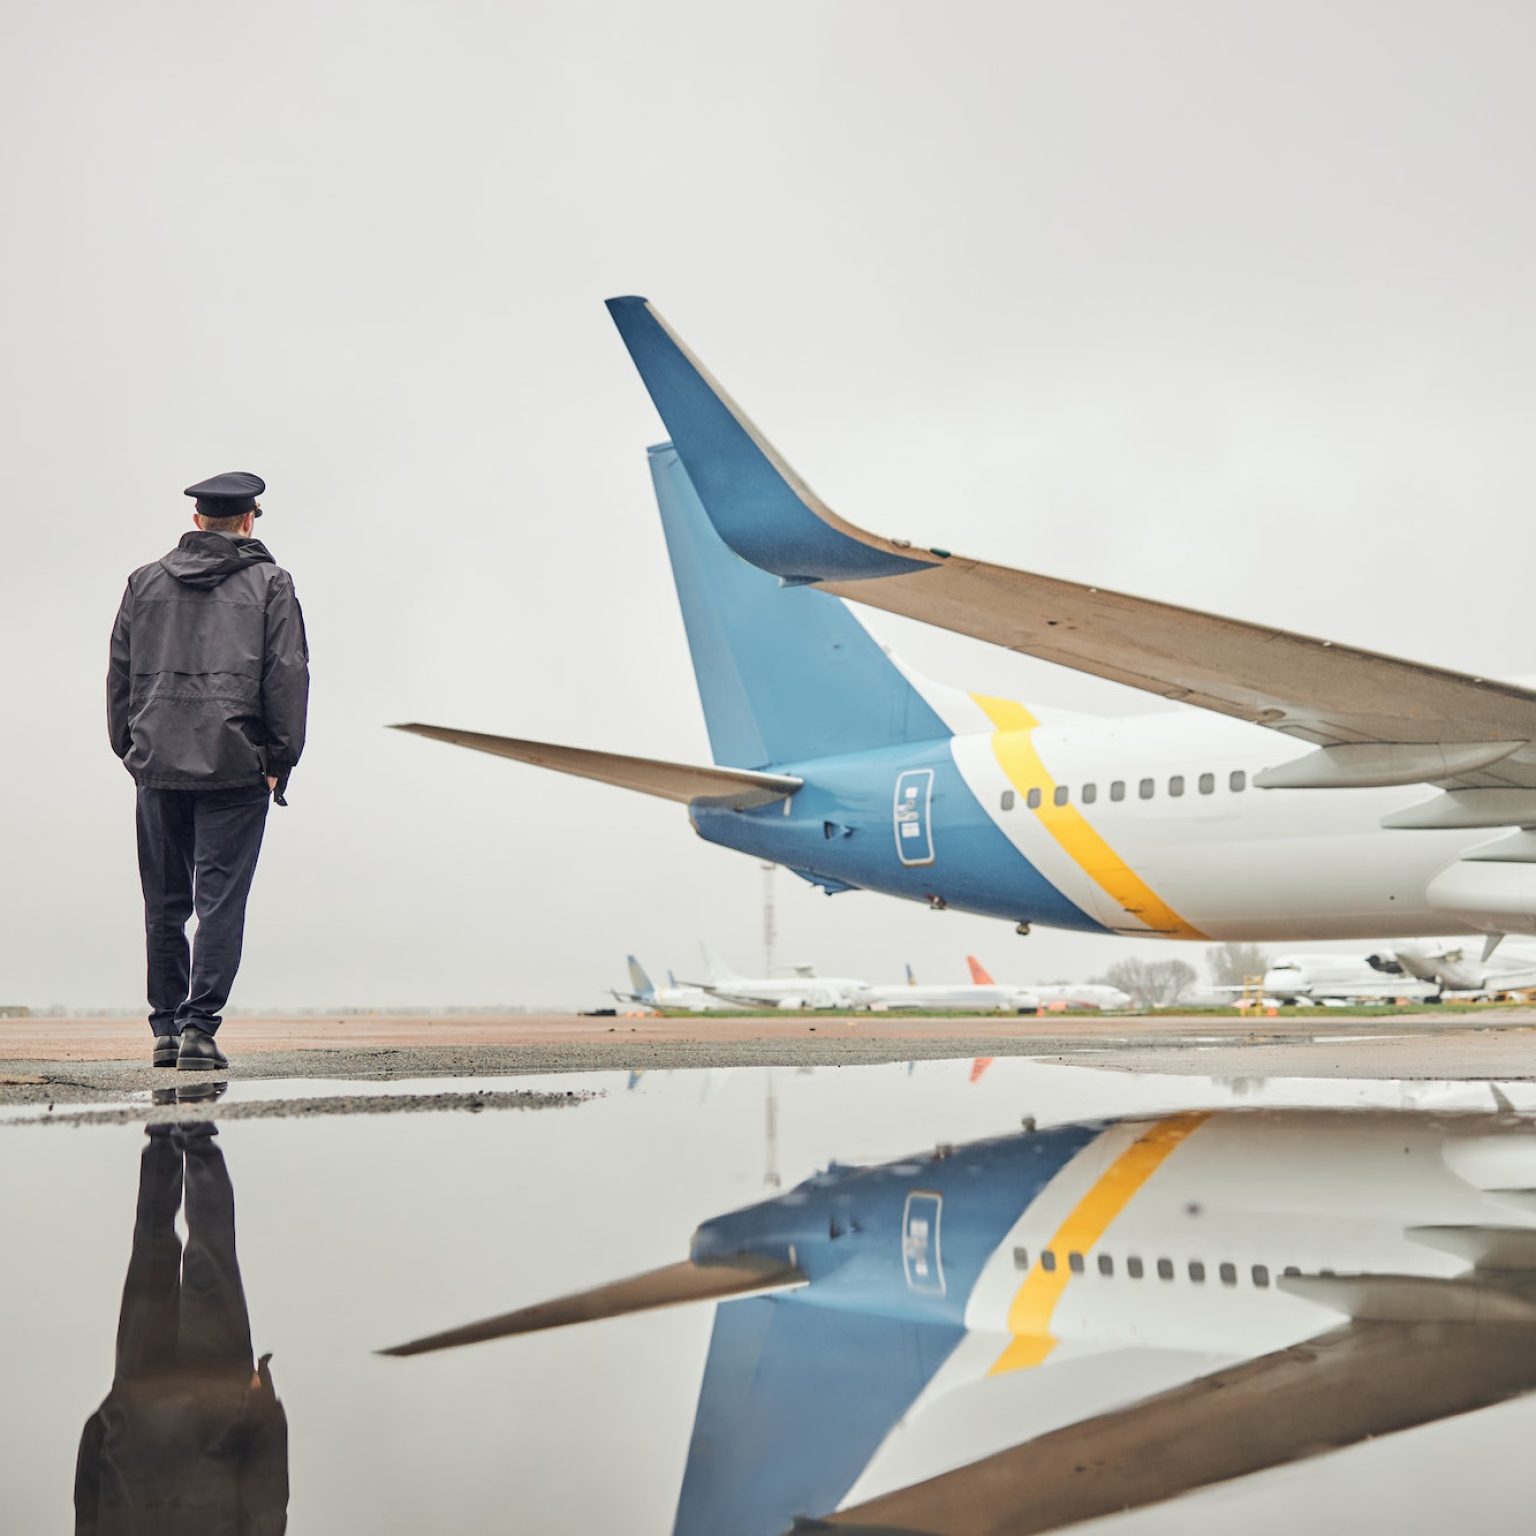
198	1052
166	1047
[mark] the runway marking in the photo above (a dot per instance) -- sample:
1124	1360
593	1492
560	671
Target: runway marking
1013	744
1035	1302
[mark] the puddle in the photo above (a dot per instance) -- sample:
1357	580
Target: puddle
1029	1279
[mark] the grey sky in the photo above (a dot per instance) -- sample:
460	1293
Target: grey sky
1230	305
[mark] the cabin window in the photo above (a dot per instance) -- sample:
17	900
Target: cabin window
1106	1265
1197	1271
1207	783
1021	1258
1176	784
1228	1273
1134	1268
1165	1269
1237	781
1032	799
1148	788
1116	790
1075	1263
1090	793
1059	794
1048	1261
1007	799
1260	1276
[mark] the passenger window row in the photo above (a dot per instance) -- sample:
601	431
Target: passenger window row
1135	1268
1146	789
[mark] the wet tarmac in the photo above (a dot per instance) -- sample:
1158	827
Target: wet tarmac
1223	1301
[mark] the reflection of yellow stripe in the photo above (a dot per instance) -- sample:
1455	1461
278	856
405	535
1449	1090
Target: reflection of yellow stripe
1015	749
1029	1318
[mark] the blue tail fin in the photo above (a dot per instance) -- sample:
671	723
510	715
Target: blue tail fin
784	673
639	980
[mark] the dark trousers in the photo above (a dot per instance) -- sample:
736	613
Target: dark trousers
197	853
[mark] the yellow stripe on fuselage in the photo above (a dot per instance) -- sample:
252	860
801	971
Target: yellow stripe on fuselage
1015	748
1034	1304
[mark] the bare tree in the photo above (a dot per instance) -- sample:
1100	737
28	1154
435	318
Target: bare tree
1152	983
1232	964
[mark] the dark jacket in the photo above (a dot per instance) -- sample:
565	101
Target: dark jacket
208	683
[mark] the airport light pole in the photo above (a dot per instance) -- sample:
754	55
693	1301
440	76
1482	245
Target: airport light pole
770	926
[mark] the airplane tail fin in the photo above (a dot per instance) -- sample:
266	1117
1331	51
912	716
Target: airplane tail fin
911	979
979	972
639	980
715	969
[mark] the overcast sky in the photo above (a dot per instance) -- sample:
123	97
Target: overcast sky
1230	305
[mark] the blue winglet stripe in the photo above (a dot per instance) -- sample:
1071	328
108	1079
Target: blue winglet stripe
759	512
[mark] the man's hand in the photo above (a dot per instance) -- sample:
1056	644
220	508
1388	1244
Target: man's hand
271	783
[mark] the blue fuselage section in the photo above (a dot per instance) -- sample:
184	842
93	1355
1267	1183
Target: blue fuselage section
900	820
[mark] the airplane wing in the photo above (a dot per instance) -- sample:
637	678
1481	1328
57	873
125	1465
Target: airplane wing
1373	719
1365	1379
739	788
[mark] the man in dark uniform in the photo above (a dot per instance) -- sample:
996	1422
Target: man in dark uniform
207	692
191	1440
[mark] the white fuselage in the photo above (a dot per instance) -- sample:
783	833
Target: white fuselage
979	997
1187	828
792	992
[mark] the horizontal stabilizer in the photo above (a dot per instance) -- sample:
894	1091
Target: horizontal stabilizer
672	1286
738	788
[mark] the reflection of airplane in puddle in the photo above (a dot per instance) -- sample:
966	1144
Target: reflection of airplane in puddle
1019	1334
191	1437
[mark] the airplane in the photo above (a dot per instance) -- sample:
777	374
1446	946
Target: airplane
649	995
978	995
1344	978
1298	789
804	989
1512	969
1066	994
943	1344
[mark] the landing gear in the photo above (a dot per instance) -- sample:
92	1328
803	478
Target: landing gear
1022	929
937	904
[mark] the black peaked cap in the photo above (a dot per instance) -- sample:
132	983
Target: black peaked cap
228	495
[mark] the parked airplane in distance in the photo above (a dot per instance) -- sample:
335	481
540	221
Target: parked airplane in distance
1064	994
1343	979
1459	968
805	989
1404	815
649	995
944	1343
977	995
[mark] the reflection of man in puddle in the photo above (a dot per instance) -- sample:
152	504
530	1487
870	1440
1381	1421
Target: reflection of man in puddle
191	1440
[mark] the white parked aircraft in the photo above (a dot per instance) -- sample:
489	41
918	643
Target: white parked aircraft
979	994
649	995
1343	978
1066	994
1459	967
805	989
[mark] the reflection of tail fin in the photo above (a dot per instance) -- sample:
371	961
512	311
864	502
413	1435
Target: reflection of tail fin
784	1427
783	673
640	981
979	972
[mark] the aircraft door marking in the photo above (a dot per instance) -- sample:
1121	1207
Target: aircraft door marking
1015	750
921	1257
912	816
1029	1316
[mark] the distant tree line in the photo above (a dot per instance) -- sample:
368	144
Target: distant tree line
1164	983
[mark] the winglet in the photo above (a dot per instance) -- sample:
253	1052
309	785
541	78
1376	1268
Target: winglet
756	501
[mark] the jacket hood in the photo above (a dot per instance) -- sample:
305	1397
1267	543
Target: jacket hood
205	559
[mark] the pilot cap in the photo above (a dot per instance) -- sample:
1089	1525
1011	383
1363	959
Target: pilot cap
229	495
